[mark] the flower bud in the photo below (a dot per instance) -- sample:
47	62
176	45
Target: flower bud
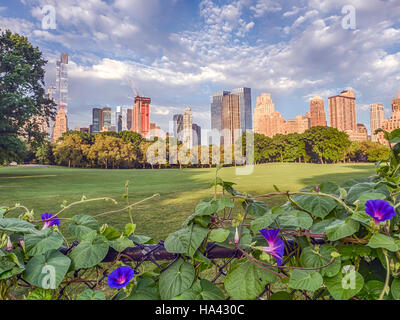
237	237
9	244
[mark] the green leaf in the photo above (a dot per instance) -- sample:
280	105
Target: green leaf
350	251
245	281
261	223
129	229
371	290
90	251
341	228
43	241
329	188
319	227
380	240
281	295
319	206
312	257
121	244
39	269
111	233
186	240
296	218
362	217
395	289
225	202
218	235
305	280
256	208
202	290
40	294
89	294
176	279
17	225
206	208
344	288
145	289
356	191
140	239
82	225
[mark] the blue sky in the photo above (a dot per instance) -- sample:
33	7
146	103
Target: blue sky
179	52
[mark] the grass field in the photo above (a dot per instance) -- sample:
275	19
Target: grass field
44	189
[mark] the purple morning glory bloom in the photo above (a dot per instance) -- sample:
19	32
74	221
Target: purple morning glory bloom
276	246
120	277
50	220
379	210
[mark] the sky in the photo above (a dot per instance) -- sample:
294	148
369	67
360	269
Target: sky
178	52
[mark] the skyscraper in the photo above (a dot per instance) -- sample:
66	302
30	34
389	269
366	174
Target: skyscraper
392	123
377	116
141	115
196	134
61	95
62	82
231	119
246	121
178	126
317	112
264	108
96	120
216	108
129	119
105	119
118	119
342	111
60	124
187	128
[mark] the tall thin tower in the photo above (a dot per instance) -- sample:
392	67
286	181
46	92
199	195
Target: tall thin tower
377	116
62	81
61	96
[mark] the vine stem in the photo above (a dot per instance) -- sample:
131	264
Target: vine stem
84	201
385	288
126	208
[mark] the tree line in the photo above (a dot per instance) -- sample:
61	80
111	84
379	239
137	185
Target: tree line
129	150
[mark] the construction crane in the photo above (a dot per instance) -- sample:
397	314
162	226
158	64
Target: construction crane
134	89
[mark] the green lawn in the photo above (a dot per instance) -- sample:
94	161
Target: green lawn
44	189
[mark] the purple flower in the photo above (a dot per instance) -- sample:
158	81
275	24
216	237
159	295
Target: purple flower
50	220
276	247
120	277
379	210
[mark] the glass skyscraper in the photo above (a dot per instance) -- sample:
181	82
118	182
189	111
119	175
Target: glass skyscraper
216	108
246	121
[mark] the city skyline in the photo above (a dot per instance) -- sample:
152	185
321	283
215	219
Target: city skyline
199	47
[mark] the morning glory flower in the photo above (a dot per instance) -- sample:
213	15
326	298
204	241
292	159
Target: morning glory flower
379	210
50	220
120	277
276	247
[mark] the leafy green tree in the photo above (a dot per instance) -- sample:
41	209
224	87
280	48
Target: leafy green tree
326	144
44	153
71	151
22	95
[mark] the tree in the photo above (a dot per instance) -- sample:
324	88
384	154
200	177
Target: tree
72	151
22	95
326	144
44	153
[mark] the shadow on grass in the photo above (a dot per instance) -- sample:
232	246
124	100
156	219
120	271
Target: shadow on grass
358	171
